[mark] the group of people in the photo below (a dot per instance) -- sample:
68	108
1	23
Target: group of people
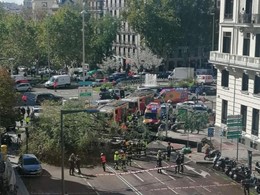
74	162
179	159
25	114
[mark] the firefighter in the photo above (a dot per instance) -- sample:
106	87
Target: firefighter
139	148
159	161
116	160
169	150
123	160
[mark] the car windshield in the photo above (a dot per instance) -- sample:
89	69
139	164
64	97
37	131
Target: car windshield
30	161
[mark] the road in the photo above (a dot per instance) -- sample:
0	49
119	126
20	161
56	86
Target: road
141	178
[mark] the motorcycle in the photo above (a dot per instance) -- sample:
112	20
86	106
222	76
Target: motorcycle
221	163
229	166
211	154
242	174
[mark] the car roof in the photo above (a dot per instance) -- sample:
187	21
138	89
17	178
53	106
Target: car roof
28	156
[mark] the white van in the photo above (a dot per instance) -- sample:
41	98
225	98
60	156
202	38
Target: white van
62	81
204	79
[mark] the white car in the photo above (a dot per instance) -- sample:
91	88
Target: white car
190	104
36	112
23	87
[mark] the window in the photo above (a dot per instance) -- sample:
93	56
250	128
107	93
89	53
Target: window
228	9
257	46
255	122
245	79
224	111
243	112
133	39
257	85
225	78
246	46
226	42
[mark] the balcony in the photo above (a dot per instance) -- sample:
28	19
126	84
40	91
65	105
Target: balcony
245	18
229	60
256	18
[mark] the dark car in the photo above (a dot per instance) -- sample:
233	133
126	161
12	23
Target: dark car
207	90
116	76
163	75
29	164
40	98
107	95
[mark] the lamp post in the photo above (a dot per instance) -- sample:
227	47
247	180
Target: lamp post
48	46
63	112
213	31
83	41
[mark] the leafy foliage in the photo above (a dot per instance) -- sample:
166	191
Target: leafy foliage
8	99
193	120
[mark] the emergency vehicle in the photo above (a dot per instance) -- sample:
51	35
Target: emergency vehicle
174	95
152	115
116	110
138	100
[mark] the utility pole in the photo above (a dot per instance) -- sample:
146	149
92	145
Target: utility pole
83	42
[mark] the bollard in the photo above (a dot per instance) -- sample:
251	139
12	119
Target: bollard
250	159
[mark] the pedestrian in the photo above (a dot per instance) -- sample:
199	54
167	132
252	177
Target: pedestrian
182	163
28	111
169	150
116	160
159	161
178	163
22	111
103	161
24	99
55	85
246	186
72	164
78	162
123	160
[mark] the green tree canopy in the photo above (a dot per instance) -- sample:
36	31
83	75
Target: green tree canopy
8	99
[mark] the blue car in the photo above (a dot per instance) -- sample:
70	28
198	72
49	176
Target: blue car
28	164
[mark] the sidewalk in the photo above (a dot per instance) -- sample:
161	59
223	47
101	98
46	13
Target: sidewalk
228	148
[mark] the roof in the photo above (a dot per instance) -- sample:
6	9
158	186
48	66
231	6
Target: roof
130	99
141	93
29	156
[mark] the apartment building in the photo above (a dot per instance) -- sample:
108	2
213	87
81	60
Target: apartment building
238	64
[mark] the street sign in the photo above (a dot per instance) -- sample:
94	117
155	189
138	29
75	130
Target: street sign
85	92
234	126
210	132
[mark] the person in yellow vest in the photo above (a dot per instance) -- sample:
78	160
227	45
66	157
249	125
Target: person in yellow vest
116	160
27	120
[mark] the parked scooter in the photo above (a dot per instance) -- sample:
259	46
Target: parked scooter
211	154
242	174
257	167
221	163
231	164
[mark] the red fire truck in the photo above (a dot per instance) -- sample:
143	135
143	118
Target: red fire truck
152	114
138	100
117	110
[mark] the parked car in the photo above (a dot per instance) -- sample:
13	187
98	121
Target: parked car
204	79
36	112
207	90
163	75
29	164
23	87
41	97
116	76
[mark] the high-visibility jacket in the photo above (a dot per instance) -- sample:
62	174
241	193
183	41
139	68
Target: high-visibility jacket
103	159
116	157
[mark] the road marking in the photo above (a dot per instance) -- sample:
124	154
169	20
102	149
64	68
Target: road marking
164	172
206	189
190	179
125	181
92	187
172	190
138	177
159	180
137	164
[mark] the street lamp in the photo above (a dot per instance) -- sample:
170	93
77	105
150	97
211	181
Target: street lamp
63	112
83	42
213	31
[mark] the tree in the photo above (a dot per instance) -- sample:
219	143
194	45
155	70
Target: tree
156	21
145	59
166	24
8	100
193	120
